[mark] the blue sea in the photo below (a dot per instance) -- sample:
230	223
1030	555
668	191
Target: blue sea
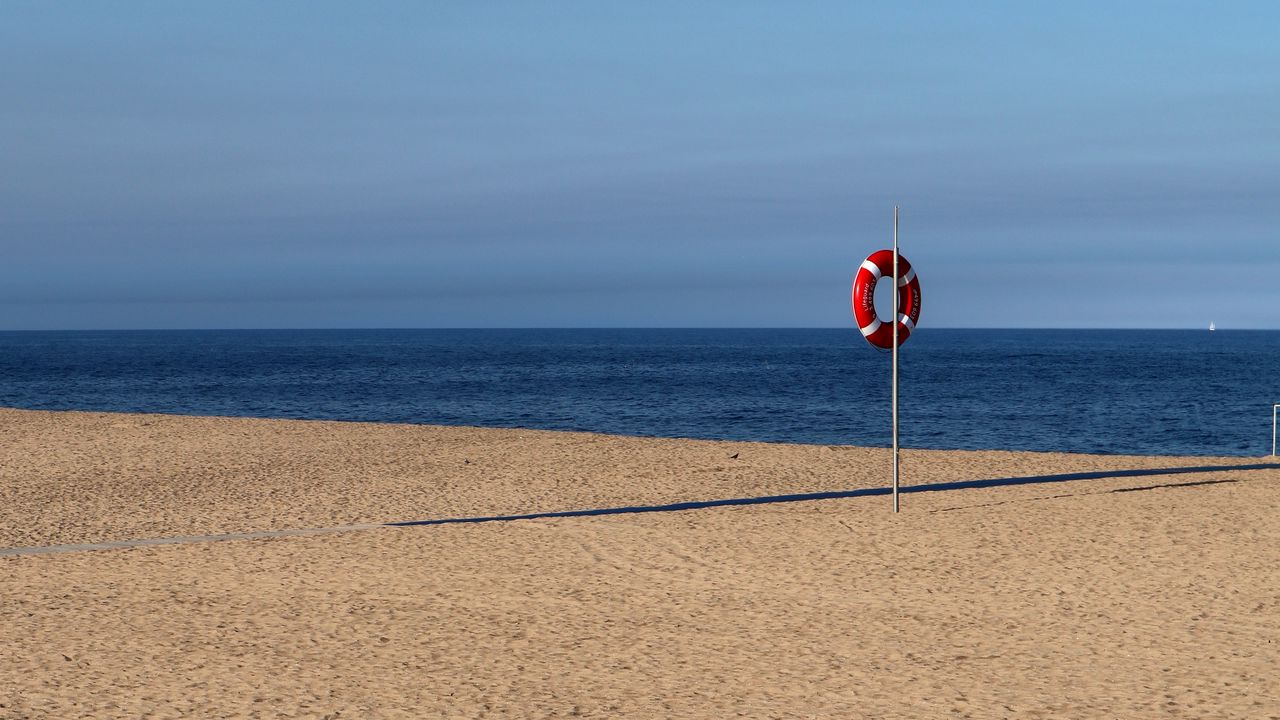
1097	391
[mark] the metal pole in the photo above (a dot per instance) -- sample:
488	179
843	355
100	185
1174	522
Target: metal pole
1274	408
894	320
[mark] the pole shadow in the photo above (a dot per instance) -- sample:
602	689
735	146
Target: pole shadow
866	492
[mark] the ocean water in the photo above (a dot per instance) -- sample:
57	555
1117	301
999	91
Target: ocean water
1149	392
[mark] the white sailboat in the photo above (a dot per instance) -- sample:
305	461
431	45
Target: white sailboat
1211	327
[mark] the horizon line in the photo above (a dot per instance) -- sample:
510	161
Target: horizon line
607	327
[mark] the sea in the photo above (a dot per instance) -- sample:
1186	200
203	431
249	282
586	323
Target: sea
1155	392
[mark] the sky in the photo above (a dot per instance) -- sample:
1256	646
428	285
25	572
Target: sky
651	164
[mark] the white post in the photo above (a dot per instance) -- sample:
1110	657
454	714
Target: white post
894	320
1274	409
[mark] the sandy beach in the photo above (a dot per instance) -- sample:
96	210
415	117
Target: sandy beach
1116	595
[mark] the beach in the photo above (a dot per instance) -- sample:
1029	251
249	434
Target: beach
1079	587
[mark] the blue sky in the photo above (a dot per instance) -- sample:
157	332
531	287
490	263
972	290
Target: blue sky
171	165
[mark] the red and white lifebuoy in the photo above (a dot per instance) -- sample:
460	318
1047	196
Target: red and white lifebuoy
880	264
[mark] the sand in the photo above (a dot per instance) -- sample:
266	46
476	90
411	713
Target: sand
1149	596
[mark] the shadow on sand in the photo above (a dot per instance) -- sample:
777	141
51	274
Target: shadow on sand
866	492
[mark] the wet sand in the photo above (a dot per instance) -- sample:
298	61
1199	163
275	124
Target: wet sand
1139	596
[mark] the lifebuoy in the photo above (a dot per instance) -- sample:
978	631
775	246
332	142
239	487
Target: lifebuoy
877	265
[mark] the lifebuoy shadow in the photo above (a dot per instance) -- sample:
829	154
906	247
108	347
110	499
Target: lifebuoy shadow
867	492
